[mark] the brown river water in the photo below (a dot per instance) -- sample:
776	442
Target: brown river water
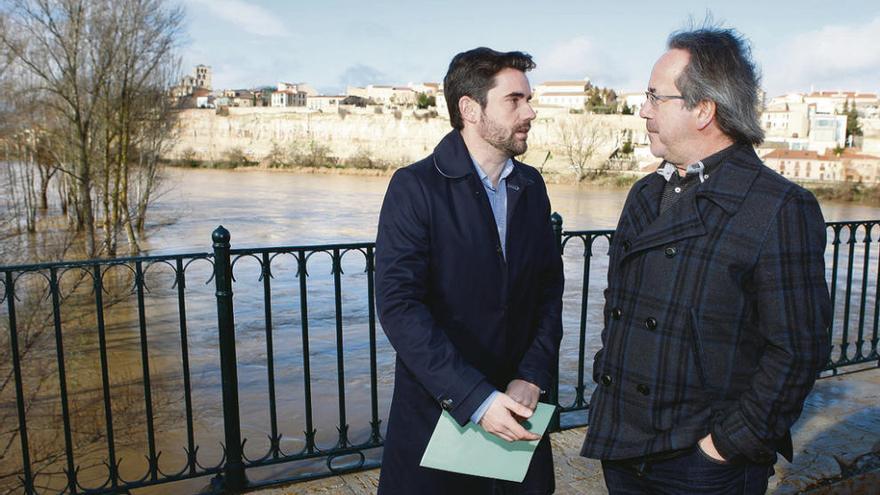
261	209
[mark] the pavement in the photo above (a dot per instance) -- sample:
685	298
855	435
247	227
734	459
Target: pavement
836	445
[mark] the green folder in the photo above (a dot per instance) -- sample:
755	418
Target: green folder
471	450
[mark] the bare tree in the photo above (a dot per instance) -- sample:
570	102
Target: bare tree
98	66
583	137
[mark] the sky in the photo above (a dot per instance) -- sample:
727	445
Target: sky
798	45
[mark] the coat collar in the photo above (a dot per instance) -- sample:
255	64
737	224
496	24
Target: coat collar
453	161
452	158
727	187
731	183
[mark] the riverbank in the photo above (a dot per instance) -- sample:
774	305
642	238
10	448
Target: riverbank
381	169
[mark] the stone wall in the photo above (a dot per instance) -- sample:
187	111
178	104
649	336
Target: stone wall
397	139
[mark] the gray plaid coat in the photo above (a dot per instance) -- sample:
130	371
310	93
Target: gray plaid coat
716	317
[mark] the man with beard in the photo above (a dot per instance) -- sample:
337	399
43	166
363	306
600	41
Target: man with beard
469	282
717	311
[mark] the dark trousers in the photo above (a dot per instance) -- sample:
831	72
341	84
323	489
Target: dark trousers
692	473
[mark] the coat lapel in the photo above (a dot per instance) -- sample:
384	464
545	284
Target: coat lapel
726	188
681	221
517	183
453	161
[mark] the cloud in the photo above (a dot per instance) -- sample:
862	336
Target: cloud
362	75
833	57
580	57
246	16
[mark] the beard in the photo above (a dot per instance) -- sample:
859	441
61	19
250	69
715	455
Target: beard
502	138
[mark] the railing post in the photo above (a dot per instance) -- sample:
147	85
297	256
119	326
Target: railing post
233	472
556	222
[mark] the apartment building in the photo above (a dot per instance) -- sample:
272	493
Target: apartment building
807	165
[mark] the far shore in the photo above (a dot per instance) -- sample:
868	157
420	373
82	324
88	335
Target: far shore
602	178
849	192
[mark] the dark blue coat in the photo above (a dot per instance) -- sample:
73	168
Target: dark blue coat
716	317
463	320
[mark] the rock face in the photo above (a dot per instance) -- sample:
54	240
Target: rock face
397	139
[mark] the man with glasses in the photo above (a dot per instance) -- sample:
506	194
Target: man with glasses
717	311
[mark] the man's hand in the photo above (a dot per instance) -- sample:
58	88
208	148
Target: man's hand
708	447
524	392
500	419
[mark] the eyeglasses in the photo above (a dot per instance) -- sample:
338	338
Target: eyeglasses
655	99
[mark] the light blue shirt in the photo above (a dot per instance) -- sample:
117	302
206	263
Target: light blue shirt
498	200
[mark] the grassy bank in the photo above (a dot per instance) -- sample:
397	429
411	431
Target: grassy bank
852	192
316	159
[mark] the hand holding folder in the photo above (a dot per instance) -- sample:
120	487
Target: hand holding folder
471	450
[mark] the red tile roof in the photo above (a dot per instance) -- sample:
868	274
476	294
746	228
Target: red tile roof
793	155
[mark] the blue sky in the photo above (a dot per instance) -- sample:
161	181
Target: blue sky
797	44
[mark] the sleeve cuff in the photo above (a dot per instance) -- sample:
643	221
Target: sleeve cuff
463	411
733	438
478	414
543	379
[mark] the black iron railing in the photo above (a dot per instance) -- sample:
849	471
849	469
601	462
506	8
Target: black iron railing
120	372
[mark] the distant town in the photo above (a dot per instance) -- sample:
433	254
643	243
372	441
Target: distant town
820	136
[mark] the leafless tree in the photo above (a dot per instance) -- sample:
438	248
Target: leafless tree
98	66
582	138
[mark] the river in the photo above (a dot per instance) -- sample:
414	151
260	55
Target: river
265	208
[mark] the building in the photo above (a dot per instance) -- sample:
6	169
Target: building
297	87
440	102
805	165
790	120
860	167
808	165
428	88
809	122
243	98
386	95
291	95
633	100
203	76
827	131
565	94
836	101
189	82
562	99
323	103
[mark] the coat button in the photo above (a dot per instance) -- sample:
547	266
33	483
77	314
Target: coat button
606	380
651	323
643	389
498	249
671	251
616	313
446	404
626	245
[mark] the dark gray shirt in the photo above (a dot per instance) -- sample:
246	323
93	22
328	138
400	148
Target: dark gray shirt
697	173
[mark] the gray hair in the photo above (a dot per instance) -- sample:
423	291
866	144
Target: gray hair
721	70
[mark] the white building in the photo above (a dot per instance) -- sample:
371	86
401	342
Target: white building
289	98
827	132
323	103
565	94
442	109
428	88
633	100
